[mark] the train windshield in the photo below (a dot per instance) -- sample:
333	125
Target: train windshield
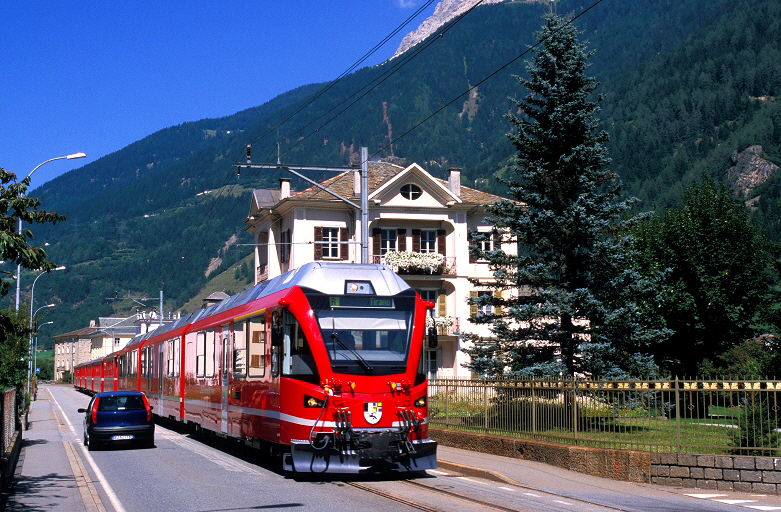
366	340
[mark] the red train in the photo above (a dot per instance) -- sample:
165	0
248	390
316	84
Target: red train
325	363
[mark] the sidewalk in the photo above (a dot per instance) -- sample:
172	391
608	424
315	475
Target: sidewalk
45	474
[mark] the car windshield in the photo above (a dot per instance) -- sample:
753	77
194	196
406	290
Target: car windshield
121	403
371	341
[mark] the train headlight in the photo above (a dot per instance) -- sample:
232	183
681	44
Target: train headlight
421	402
311	402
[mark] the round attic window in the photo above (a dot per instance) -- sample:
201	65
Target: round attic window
411	191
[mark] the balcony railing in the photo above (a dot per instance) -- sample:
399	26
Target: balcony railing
446	325
417	263
261	273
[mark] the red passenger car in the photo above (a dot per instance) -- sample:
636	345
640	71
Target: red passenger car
325	362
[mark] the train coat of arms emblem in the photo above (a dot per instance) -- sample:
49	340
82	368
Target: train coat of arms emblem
372	412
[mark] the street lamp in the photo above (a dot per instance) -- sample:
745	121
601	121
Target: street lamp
32	315
19	265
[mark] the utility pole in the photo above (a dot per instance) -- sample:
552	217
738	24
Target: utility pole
138	300
363	207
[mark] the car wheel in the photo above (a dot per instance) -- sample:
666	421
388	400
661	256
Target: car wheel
92	445
148	443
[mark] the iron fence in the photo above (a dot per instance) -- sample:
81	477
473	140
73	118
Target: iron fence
684	416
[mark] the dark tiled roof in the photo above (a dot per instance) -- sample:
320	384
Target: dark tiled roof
78	333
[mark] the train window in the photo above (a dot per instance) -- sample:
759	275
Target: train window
366	341
200	351
297	359
133	369
208	370
239	350
256	329
172	363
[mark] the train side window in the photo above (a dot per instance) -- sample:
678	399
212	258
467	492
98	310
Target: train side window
256	329
239	350
297	358
200	354
133	369
209	354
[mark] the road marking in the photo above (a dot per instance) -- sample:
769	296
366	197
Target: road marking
507	489
735	502
532	494
98	474
763	507
707	496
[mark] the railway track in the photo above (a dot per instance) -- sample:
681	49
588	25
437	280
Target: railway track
477	503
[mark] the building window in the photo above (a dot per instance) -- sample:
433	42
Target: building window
428	295
428	241
284	246
433	358
329	243
411	191
387	240
484	309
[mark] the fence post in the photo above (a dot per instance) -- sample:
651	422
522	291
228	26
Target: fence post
447	404
677	417
574	412
534	408
485	406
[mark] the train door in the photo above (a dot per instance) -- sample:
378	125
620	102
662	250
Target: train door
225	369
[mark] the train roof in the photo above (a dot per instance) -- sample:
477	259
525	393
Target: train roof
325	277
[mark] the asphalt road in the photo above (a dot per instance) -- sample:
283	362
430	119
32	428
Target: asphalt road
184	473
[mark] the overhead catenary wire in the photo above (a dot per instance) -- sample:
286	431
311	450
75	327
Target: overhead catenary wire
363	91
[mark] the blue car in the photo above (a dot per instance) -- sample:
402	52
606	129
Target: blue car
118	417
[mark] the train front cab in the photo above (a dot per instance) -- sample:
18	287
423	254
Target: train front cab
353	383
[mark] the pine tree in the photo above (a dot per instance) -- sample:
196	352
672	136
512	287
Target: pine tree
568	300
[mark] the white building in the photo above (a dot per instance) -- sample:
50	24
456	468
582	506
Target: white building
410	211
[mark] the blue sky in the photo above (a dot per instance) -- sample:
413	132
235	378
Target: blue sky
95	76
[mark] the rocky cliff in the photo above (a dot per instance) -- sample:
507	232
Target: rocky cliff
445	11
748	170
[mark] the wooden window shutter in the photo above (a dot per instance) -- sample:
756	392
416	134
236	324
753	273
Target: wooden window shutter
472	258
318	244
376	241
441	303
401	239
441	241
415	240
498	309
495	239
472	305
344	249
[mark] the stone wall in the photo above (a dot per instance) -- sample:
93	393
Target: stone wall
719	472
683	470
628	465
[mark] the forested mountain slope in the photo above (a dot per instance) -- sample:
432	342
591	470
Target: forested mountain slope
678	78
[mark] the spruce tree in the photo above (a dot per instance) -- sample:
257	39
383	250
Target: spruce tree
567	302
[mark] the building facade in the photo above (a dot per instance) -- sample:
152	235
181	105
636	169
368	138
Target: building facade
418	224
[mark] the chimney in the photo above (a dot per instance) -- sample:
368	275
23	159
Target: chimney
454	180
284	188
357	183
92	323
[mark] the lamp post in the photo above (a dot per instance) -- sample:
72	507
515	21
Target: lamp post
35	352
32	315
19	265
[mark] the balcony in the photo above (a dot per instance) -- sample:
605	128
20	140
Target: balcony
417	263
446	325
261	273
